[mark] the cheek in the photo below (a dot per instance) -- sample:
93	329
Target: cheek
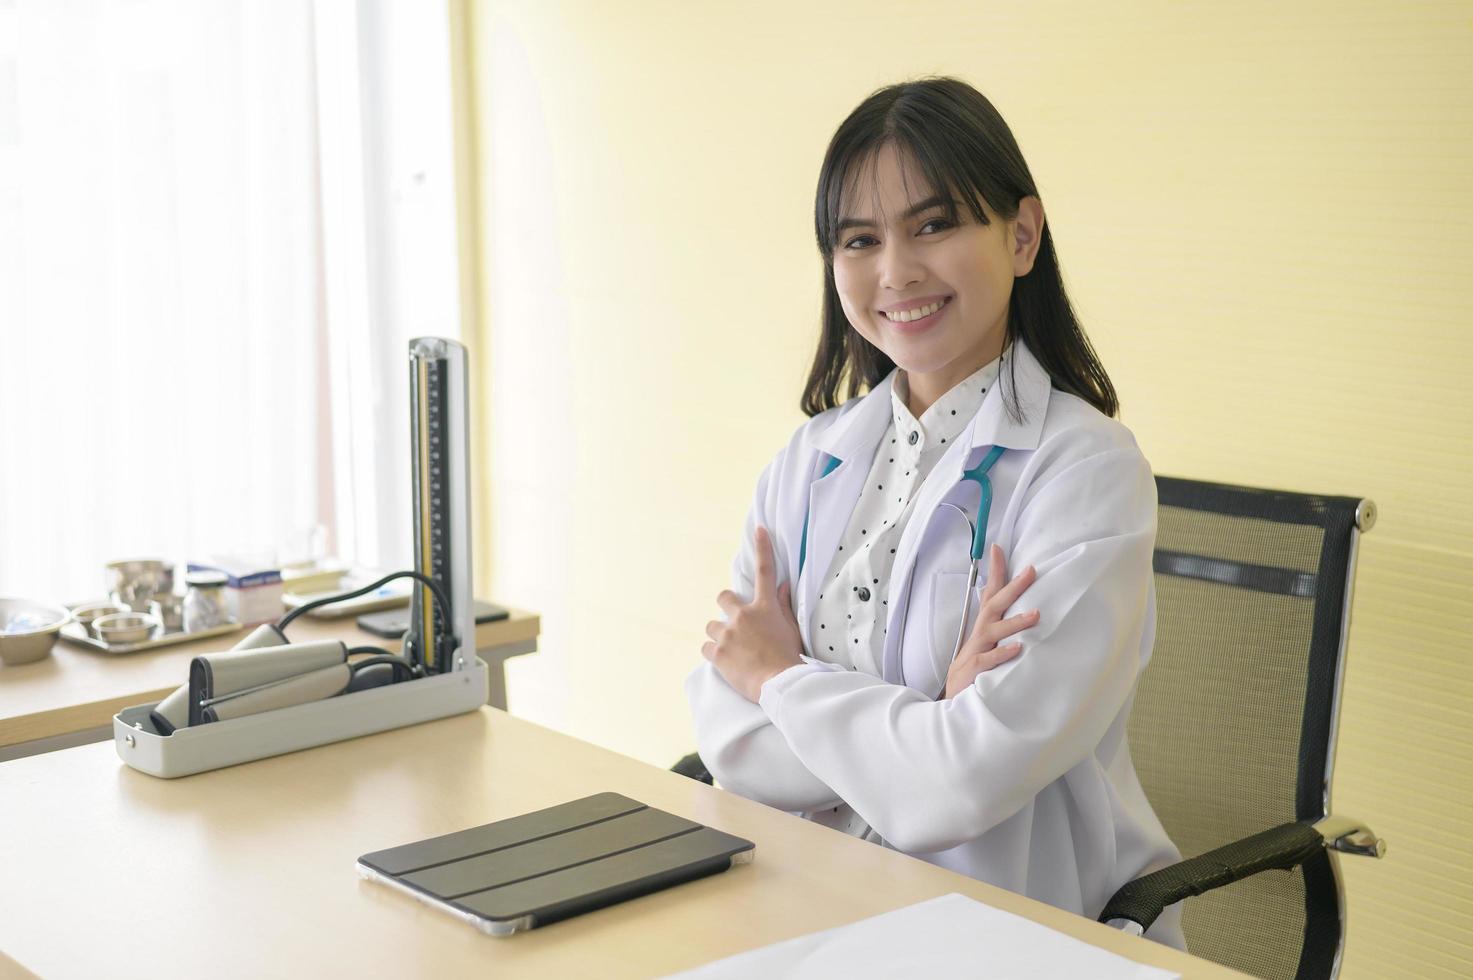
845	282
988	273
852	298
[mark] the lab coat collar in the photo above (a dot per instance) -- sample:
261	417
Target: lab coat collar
1018	373
855	431
830	495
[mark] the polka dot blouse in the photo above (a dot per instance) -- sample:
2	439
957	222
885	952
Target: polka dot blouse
848	627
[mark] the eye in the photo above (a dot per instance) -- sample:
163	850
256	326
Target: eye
860	241
935	225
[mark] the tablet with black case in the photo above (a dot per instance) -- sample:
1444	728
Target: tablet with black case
551	864
394	623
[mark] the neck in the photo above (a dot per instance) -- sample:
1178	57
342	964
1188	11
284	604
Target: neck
925	388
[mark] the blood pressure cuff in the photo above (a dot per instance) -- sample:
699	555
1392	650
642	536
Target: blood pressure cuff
263	679
172	713
312	686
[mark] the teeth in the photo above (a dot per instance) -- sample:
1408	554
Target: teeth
905	316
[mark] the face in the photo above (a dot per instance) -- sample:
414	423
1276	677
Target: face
931	293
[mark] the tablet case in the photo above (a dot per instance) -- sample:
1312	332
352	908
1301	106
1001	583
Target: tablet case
551	864
394	623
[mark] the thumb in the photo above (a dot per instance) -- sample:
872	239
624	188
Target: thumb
766	578
785	597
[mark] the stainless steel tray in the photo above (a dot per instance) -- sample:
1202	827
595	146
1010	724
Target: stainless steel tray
75	633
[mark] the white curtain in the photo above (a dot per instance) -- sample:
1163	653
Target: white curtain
390	267
192	356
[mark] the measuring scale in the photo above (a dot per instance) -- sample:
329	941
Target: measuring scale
440	447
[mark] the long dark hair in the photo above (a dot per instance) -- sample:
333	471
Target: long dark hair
964	149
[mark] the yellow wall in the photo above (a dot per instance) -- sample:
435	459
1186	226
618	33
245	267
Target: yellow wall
1263	211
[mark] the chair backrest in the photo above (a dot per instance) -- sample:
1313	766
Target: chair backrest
1233	726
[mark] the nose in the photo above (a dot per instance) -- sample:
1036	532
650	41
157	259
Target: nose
900	266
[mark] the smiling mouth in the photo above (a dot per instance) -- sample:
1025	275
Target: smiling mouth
910	321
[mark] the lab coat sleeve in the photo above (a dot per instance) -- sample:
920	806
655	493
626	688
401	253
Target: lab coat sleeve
735	738
930	775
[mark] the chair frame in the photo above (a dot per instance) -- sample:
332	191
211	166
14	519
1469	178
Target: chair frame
1144	898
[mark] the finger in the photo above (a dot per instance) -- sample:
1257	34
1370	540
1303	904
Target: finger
997	572
1004	628
715	628
1010	593
965	671
998	656
973	663
729	602
766	584
708	650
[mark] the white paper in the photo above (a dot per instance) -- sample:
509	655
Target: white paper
950	936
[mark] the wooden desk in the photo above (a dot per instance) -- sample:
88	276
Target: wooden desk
249	871
70	697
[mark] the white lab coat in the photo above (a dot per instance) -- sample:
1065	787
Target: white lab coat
1025	779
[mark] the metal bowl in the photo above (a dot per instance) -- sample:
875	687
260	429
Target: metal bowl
128	627
28	630
87	613
135	581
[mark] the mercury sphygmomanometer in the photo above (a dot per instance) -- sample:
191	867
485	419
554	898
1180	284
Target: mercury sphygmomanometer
266	670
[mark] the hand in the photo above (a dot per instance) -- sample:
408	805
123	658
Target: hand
760	638
980	652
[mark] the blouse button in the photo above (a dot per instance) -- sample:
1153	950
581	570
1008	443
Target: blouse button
863	594
913	437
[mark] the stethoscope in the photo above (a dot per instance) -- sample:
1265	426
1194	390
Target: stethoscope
977	475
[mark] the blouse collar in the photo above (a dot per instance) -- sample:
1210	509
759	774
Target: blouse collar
946	419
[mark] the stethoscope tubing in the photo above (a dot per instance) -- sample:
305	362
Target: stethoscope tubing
961	627
976	532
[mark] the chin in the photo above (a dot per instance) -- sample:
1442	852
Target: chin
913	360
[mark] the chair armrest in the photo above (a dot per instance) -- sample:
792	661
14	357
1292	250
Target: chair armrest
692	766
1141	901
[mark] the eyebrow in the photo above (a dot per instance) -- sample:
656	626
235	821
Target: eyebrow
934	201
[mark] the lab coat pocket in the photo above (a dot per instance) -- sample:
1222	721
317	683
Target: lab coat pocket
947	597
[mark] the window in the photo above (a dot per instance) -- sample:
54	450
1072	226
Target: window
205	212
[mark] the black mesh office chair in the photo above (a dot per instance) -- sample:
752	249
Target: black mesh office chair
1233	728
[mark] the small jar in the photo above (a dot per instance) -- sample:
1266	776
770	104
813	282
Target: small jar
204	602
169	608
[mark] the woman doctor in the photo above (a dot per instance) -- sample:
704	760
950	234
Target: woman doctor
857	676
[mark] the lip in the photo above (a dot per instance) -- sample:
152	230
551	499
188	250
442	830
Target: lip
916	326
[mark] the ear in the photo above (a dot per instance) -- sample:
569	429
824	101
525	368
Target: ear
1027	234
